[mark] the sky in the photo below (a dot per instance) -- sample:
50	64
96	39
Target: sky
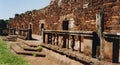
8	8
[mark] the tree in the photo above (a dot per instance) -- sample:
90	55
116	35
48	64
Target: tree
3	23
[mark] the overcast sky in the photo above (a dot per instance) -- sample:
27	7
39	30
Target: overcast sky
8	8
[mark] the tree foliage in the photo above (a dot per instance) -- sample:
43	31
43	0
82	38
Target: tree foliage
3	23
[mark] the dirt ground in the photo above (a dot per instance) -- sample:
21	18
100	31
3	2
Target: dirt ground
39	60
36	60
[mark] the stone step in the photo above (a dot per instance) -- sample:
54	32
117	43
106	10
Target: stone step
32	44
22	37
8	38
29	43
19	50
26	47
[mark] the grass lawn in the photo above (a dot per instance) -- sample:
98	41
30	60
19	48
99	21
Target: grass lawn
9	58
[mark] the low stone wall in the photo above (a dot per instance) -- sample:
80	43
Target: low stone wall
60	59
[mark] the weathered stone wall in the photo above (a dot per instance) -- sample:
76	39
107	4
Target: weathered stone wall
83	13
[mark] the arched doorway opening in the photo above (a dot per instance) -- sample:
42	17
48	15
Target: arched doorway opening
30	30
41	25
30	26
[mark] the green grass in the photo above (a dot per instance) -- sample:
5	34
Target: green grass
9	58
39	48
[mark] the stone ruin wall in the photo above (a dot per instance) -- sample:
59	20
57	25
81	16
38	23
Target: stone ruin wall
82	12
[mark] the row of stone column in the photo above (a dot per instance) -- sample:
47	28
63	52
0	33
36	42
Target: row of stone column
87	44
27	33
69	41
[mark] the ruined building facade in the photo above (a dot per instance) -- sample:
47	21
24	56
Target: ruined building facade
80	14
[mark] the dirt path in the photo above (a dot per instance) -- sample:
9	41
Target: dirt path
39	60
36	60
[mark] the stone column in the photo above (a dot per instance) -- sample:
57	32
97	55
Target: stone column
115	51
57	39
64	40
49	38
67	41
79	38
44	37
30	33
73	42
100	29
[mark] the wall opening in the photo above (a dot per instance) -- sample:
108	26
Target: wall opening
42	25
22	26
30	26
65	25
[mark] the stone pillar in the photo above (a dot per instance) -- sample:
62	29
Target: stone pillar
53	38
29	33
19	32
49	38
119	50
44	37
42	33
100	29
96	46
73	42
79	38
14	30
65	37
115	51
67	41
57	39
64	41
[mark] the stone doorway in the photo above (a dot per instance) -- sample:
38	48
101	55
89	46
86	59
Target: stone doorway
42	25
42	28
30	26
65	25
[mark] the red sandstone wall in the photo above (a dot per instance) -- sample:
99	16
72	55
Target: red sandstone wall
83	15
